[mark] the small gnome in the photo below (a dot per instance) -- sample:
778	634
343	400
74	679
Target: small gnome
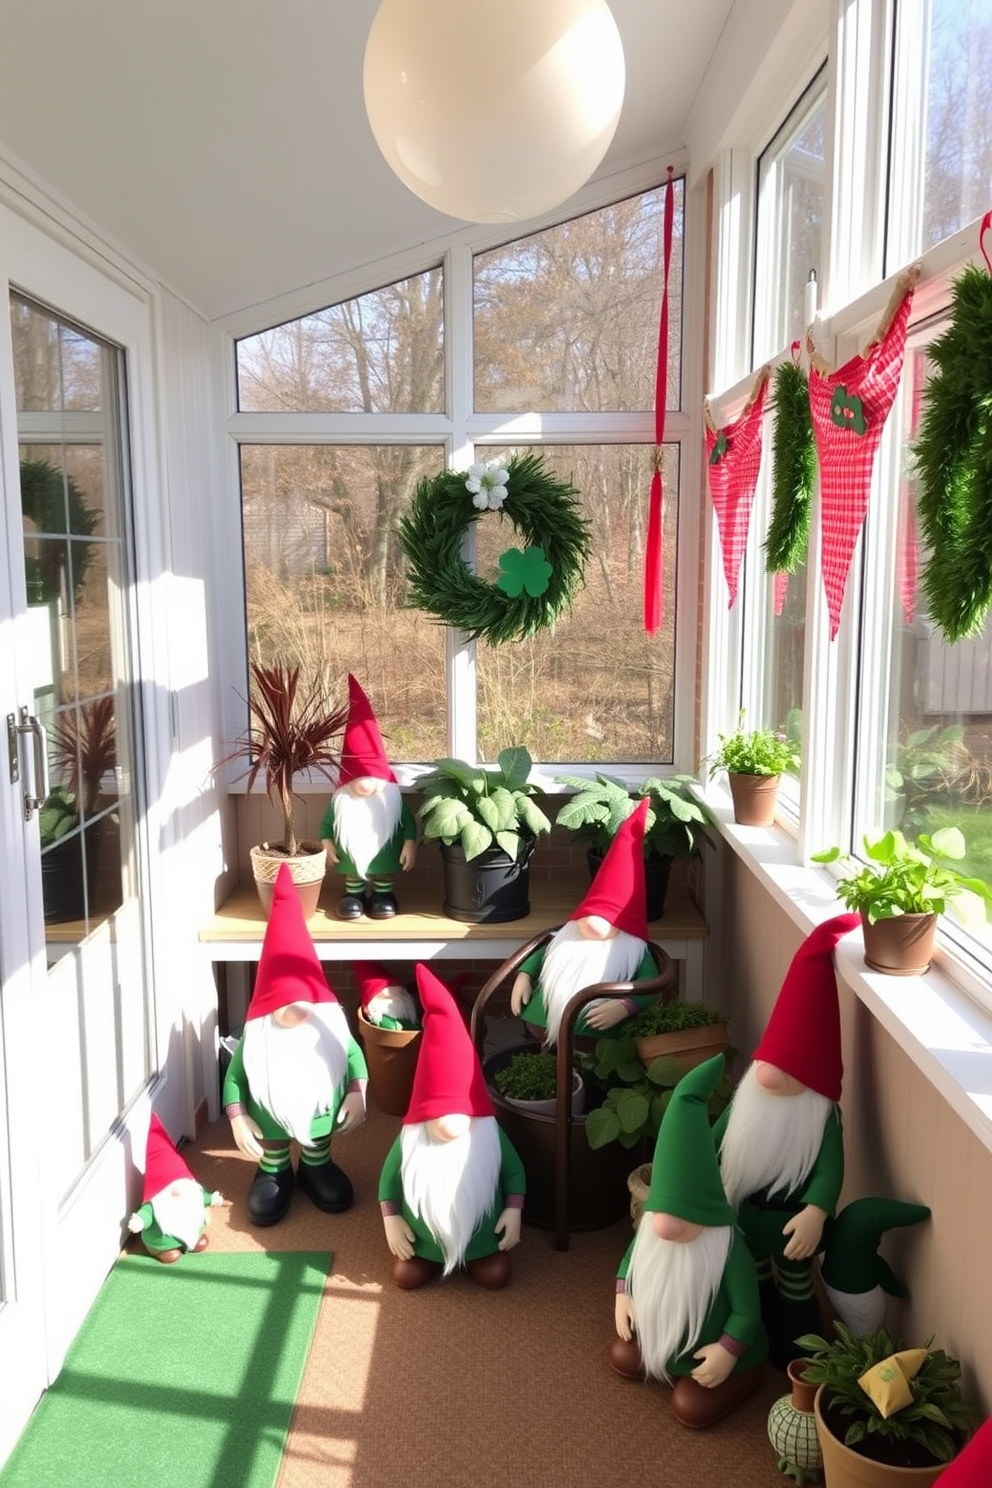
604	940
175	1209
452	1186
855	1277
384	1000
368	830
687	1305
780	1139
297	1073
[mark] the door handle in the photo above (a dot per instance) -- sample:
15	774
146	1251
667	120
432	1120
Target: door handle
29	724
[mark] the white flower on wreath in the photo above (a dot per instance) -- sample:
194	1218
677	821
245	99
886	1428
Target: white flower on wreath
487	485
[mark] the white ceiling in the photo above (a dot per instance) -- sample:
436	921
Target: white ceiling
223	144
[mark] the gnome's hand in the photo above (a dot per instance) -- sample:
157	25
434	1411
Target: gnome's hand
508	1225
606	1013
329	849
806	1231
136	1224
247	1135
399	1236
520	994
623	1316
717	1365
352	1111
408	856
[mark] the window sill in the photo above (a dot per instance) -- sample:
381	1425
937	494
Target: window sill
944	1030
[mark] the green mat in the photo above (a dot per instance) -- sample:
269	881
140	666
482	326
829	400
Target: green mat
180	1375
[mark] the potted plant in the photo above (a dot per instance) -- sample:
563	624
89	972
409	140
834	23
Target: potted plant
675	827
61	856
688	1032
291	730
530	1079
861	1446
755	760
487	822
900	891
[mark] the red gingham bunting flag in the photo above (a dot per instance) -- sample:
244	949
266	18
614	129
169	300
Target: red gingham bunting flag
849	408
733	459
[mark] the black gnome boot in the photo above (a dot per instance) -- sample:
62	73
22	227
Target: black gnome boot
270	1195
326	1186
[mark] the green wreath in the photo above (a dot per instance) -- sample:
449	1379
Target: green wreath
793	471
953	454
538	580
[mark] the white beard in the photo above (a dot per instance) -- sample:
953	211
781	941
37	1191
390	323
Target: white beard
450	1185
672	1285
179	1211
296	1073
571	963
771	1141
363	825
392	1002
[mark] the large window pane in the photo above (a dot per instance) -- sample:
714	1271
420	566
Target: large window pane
567	320
380	353
325	579
596	687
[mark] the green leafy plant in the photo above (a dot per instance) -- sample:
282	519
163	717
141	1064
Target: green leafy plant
479	805
58	816
936	1420
634	1099
676	821
674	1017
903	877
529	1075
755	752
291	730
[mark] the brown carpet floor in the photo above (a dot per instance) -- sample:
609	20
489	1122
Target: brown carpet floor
454	1387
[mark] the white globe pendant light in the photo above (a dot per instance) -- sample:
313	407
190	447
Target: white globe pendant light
493	110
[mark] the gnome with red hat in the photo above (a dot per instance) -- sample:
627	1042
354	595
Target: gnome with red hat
780	1140
604	940
297	1073
452	1185
368	830
687	1307
175	1210
384	999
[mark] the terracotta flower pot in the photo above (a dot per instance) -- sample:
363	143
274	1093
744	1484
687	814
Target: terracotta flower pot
690	1046
845	1468
755	798
391	1055
901	945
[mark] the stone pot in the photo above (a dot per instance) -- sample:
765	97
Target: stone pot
391	1055
755	798
547	1107
901	945
792	1428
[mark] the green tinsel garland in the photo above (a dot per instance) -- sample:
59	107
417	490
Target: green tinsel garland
546	514
793	471
953	454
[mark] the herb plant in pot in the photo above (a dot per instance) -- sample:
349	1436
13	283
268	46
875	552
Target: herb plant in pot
530	1080
900	891
755	761
886	1417
688	1032
675	826
487	823
291	731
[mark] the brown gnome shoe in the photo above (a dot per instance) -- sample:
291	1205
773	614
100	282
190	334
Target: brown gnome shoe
491	1271
414	1273
696	1406
625	1358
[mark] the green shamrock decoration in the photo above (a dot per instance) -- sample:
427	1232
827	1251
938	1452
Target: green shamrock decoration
520	570
847	411
720	447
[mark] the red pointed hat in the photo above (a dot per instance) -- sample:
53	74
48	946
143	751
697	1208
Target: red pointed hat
362	752
163	1165
371	979
448	1080
972	1467
802	1036
618	892
289	968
